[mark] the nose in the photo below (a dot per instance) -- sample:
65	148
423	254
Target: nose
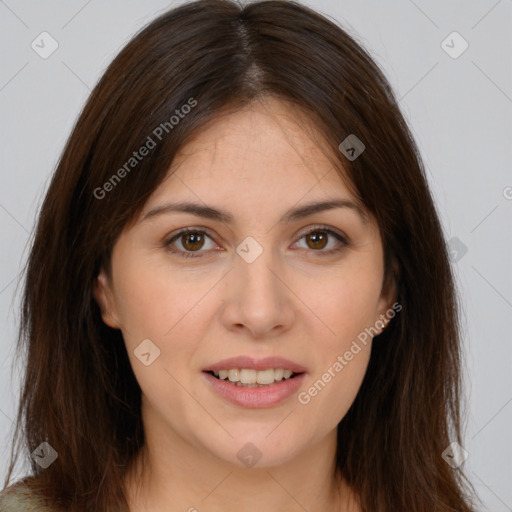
257	299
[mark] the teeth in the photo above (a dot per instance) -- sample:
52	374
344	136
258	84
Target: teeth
248	376
252	378
265	376
234	375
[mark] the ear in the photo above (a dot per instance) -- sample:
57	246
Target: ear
388	306
102	292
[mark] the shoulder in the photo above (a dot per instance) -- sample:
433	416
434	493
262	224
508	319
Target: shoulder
20	498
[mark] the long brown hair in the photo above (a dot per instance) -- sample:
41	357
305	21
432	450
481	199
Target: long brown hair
80	394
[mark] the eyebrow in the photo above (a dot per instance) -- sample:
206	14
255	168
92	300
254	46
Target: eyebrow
217	214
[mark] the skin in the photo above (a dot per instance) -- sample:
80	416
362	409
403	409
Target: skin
292	301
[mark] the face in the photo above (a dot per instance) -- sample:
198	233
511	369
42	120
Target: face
271	279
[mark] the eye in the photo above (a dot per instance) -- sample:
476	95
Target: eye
317	239
191	241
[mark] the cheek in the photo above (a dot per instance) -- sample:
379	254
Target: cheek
164	307
348	300
348	307
330	394
154	301
159	308
332	388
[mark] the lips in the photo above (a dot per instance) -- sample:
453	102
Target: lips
256	396
255	364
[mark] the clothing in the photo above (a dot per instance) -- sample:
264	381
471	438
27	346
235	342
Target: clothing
19	498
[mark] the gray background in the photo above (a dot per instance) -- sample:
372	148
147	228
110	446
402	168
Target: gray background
460	113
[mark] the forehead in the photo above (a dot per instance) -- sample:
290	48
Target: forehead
264	164
265	145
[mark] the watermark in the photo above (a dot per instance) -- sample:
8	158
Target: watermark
454	45
44	45
457	249
45	455
137	156
455	455
249	249
352	147
249	455
304	397
147	352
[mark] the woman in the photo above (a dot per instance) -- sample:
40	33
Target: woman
239	295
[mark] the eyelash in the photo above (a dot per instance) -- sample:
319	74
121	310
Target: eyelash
192	254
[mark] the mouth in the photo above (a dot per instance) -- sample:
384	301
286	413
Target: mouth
250	378
255	383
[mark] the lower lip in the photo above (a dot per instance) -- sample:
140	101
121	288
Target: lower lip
254	398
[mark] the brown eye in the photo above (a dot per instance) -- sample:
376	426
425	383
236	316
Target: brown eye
323	241
317	239
192	241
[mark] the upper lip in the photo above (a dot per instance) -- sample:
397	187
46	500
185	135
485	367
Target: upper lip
255	364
